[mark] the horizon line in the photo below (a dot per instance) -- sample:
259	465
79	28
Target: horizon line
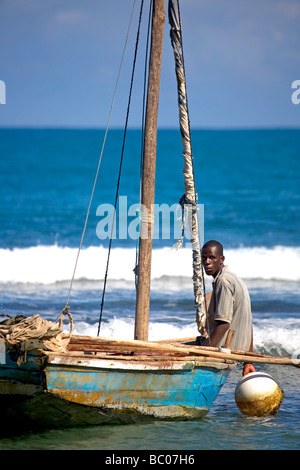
173	128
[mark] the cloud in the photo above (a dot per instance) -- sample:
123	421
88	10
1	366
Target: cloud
288	9
71	17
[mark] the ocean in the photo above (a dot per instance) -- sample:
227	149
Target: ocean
248	185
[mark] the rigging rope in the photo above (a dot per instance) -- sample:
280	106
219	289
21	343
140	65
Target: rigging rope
189	199
66	308
120	167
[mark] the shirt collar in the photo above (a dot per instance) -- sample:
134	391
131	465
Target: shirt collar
219	274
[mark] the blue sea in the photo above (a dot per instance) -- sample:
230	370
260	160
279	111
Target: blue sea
248	185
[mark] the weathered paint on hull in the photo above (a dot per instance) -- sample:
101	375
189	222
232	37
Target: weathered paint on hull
70	391
162	391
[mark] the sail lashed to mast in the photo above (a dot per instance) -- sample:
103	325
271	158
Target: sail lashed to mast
189	200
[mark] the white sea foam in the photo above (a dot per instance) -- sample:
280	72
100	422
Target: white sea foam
50	264
124	329
275	336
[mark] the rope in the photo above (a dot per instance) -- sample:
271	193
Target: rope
179	243
25	334
120	168
135	270
100	159
189	204
60	318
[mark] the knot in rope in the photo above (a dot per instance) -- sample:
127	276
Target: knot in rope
60	318
186	205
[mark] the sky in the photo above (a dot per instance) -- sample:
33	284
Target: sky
59	61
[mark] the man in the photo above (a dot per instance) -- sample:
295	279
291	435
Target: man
229	307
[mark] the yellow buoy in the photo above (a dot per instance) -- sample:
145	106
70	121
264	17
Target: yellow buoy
258	394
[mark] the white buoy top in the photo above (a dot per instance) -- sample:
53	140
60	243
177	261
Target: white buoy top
256	385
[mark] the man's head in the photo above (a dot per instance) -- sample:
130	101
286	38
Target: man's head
212	257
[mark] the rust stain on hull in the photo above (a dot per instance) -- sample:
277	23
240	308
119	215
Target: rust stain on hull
78	389
123	408
168	391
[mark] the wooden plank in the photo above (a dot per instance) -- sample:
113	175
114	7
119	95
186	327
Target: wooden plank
134	358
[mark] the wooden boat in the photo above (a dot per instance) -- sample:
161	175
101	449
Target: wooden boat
77	388
97	380
94	380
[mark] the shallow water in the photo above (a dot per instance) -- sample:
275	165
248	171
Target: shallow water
224	428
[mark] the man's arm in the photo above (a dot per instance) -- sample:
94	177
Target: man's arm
217	334
248	366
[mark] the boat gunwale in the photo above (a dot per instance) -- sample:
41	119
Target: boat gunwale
97	360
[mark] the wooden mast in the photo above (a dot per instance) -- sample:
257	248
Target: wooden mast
148	177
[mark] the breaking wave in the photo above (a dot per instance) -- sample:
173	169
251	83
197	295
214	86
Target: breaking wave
50	264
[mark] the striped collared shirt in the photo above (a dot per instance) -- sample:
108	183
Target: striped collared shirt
230	302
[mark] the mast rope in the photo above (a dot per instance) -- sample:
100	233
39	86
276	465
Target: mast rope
66	307
120	167
188	201
182	202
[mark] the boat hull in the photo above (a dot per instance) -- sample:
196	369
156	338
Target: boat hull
134	391
72	390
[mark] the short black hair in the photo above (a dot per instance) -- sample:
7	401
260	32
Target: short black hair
214	243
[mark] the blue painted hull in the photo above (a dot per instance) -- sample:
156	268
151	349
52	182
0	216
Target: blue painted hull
73	389
160	392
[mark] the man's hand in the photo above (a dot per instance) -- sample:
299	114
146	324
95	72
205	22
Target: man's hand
202	341
248	368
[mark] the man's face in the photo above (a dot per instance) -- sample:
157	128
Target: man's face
212	261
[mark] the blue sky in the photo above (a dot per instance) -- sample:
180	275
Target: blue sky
59	60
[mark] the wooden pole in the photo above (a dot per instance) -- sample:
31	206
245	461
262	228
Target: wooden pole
148	177
87	343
